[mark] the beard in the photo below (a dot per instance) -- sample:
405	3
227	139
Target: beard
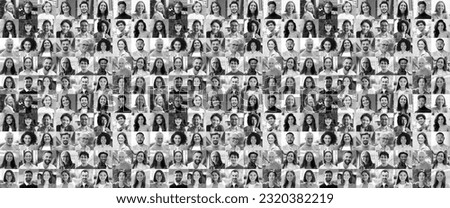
197	162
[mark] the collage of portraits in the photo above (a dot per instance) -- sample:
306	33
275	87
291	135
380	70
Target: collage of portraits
224	94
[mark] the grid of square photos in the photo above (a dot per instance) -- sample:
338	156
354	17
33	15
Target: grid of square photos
224	94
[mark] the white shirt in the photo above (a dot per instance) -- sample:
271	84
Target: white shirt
192	70
192	166
50	73
41	166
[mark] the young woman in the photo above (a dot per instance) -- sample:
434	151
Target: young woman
47	180
216	180
366	161
422	181
347	180
253	180
440	105
159	11
440	30
197	180
252	10
122	180
102	180
309	180
197	8
178	160
140	11
440	180
440	11
215	12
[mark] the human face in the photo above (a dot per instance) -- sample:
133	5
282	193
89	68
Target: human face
197	158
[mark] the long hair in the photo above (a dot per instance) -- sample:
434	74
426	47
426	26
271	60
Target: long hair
313	68
98	177
136	182
286	182
285	162
155	163
5	69
286	121
436	26
294	68
156	33
252	15
13	164
305	163
99	14
435	184
306	33
436	124
156	126
155	69
286	26
306	126
135	162
12	32
402	15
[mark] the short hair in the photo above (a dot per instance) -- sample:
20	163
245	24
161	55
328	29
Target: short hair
383	96
420	116
120	22
403	59
121	2
233	59
420	22
422	96
83	59
234	2
383	59
269	116
422	3
270	22
402	153
253	59
384	2
271	3
83	2
83	153
383	153
233	153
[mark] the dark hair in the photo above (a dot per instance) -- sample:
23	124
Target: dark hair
155	32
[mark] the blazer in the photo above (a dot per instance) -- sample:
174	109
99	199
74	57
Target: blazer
173	185
238	185
27	186
388	185
88	185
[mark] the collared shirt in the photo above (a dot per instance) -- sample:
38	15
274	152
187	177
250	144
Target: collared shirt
42	165
192	165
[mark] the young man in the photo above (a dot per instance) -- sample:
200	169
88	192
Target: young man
84	9
46	70
196	70
234	9
234	64
122	7
383	62
421	26
83	63
384	157
347	67
233	158
422	7
384	8
272	10
84	159
365	52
